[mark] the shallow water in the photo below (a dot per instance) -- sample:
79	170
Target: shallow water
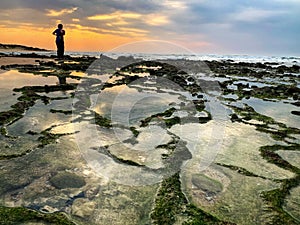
7	98
39	118
229	144
293	157
14	79
278	110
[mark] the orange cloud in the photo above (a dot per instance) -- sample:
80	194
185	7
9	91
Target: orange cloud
115	15
52	12
121	18
156	20
122	31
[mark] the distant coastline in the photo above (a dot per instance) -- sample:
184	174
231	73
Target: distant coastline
16	50
15	47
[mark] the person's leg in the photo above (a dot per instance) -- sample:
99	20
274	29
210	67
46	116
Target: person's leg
58	49
62	49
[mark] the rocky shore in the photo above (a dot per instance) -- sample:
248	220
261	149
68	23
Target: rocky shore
89	140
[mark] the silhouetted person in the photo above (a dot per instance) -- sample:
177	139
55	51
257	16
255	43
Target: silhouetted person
59	32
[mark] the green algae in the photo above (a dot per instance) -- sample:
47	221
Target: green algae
48	138
134	131
276	197
199	217
199	105
169	122
169	202
104	150
16	113
66	112
27	99
240	170
20	215
292	156
205	119
126	161
172	121
278	92
16	155
102	121
46	88
127	79
275	200
171	205
3	131
291	203
269	153
247	114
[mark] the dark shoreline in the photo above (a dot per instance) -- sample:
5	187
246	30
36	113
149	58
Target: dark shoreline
14	47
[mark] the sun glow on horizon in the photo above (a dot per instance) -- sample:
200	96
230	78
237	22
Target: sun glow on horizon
75	39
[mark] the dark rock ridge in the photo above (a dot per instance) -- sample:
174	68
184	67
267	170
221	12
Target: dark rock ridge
21	47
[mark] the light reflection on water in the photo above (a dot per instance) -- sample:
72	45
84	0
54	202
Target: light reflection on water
279	111
39	118
78	73
14	79
217	141
127	106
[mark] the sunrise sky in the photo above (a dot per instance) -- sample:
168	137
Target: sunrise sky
268	27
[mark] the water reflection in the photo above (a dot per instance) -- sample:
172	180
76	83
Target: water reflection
62	80
14	79
278	110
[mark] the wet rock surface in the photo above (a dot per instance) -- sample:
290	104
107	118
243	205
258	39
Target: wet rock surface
128	141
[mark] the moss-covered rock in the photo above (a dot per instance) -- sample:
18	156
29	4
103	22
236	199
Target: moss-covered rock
19	215
171	204
102	121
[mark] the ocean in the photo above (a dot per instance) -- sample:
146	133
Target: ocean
281	60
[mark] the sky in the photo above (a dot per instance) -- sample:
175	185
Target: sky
261	27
